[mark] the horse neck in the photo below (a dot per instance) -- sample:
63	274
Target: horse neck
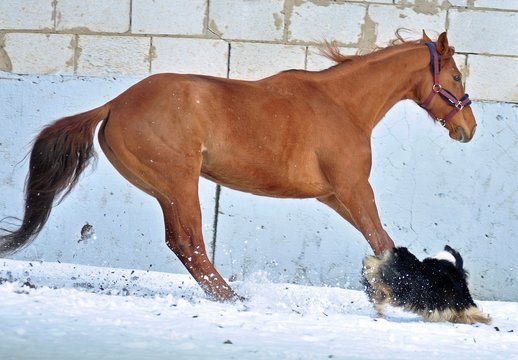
369	86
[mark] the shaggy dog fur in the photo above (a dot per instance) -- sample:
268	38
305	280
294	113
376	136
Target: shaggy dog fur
435	288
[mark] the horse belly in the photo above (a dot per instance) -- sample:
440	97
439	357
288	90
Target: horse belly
275	179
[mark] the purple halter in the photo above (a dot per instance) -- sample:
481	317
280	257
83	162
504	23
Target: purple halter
457	104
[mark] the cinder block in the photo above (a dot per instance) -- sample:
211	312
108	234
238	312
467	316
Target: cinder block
461	61
425	6
316	61
485	32
113	55
313	22
254	61
40	53
194	56
93	15
26	14
458	2
490	78
388	19
247	20
177	17
497	4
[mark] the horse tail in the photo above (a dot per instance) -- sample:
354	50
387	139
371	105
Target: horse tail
60	153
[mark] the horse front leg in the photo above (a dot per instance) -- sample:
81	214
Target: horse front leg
357	206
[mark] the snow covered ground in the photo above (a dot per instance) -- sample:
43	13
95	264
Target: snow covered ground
64	311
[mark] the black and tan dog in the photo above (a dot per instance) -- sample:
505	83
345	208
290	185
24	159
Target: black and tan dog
435	288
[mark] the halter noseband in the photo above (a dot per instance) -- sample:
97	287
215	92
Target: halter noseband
457	104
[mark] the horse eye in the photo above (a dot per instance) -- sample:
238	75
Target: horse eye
457	77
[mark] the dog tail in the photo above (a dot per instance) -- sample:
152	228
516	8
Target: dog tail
471	315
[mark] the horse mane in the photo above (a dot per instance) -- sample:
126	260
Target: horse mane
330	49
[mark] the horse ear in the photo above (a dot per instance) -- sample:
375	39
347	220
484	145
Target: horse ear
442	45
425	38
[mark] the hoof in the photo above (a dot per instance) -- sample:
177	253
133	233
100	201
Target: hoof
231	297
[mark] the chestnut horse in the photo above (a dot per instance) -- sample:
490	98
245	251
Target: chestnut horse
297	134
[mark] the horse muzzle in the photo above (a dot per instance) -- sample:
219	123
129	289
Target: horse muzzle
461	135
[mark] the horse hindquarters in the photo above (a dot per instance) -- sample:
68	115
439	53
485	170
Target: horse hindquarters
171	176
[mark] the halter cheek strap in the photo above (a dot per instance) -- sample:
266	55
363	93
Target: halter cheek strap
458	105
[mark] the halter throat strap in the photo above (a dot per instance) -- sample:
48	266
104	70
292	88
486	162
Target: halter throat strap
458	105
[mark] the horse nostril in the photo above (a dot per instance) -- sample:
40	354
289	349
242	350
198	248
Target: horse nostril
463	138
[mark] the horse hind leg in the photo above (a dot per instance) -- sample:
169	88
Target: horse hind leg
175	185
177	194
183	231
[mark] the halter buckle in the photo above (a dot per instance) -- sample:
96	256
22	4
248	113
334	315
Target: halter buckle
459	106
436	88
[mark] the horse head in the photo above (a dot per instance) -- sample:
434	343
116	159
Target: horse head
451	106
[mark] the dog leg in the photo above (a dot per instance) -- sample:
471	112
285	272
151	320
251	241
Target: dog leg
378	294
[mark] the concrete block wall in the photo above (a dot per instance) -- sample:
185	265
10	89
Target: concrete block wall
248	38
59	57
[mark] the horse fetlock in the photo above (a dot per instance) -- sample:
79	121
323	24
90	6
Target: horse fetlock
380	242
220	291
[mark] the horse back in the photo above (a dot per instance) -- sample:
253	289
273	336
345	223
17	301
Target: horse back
264	137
